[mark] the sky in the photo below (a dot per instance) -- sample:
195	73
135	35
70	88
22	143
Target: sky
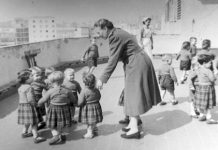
81	10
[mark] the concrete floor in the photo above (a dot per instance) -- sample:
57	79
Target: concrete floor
165	127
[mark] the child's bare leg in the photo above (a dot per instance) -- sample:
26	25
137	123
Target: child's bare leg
163	93
37	138
209	117
173	98
25	128
89	133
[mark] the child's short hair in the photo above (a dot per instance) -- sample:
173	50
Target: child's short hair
206	44
23	75
49	70
68	70
166	57
186	45
37	70
203	58
56	77
89	80
192	38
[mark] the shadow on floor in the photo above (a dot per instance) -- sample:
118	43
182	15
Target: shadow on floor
8	105
160	123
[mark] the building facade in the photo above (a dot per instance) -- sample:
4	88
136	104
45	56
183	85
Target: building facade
191	18
42	29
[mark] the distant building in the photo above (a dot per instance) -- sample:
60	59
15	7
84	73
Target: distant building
191	18
7	36
22	31
42	29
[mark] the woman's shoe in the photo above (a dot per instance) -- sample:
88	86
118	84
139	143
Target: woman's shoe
124	121
125	129
131	136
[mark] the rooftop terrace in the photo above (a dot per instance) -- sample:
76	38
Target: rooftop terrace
164	127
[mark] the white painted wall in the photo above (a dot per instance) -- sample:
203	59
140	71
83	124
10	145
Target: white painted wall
52	52
204	12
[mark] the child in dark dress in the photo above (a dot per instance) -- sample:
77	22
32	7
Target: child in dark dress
90	108
185	60
167	77
71	84
38	86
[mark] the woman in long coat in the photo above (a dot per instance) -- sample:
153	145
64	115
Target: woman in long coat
141	87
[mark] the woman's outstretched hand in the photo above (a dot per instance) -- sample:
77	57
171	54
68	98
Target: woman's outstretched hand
99	84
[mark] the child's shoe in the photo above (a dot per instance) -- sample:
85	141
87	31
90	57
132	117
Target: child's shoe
55	140
41	125
211	121
163	103
175	102
74	121
88	136
39	139
26	135
202	118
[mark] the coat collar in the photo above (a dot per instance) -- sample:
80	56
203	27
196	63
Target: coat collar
111	33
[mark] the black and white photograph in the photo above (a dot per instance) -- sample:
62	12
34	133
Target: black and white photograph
108	74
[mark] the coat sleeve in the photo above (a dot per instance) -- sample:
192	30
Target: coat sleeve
45	98
116	47
82	99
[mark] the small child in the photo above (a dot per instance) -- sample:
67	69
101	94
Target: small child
58	115
27	111
71	84
193	48
92	55
185	60
193	82
167	77
205	91
90	108
38	85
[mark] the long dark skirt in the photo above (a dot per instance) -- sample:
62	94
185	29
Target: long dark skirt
141	87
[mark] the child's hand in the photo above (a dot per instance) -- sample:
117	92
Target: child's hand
99	84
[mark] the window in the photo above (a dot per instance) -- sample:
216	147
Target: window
54	36
46	30
34	21
34	26
178	9
170	14
52	21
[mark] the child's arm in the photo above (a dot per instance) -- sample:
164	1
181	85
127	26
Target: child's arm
173	75
73	100
178	56
211	76
78	87
44	98
81	98
158	75
31	96
85	53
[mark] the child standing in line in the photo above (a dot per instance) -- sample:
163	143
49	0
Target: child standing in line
71	84
167	77
185	60
90	108
27	111
58	115
205	91
38	85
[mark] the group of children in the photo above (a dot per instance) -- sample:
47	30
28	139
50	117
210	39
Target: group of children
197	67
49	98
